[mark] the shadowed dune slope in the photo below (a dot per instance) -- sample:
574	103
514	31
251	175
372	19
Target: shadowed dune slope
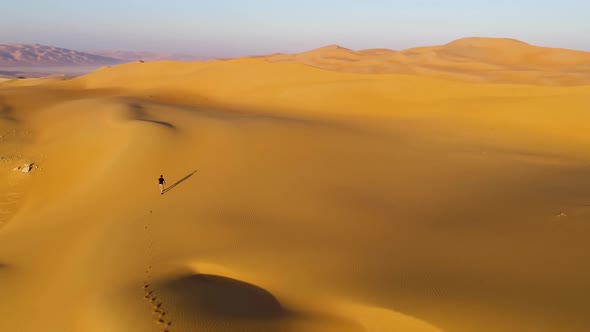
299	199
223	297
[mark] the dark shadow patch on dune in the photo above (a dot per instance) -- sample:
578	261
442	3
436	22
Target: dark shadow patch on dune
238	115
220	304
138	113
221	297
6	113
233	114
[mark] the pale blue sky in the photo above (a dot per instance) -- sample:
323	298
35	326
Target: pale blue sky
234	27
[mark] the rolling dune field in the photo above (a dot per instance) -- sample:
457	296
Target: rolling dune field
431	192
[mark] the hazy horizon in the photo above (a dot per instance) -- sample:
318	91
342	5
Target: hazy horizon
229	28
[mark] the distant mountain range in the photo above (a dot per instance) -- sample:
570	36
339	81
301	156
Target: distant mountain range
35	55
28	55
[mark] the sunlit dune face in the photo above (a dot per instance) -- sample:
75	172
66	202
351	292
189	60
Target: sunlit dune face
323	191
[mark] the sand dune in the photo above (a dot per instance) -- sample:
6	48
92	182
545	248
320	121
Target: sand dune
489	60
146	56
299	198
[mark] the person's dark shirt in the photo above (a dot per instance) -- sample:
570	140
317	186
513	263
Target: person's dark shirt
161	180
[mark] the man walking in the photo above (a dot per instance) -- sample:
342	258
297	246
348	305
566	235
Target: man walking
161	182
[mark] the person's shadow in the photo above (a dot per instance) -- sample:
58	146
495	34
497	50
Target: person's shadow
167	189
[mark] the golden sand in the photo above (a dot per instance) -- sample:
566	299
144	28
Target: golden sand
483	60
299	198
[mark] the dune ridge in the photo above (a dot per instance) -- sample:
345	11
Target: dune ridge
299	198
475	59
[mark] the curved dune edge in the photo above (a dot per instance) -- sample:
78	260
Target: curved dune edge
212	307
369	318
217	298
375	319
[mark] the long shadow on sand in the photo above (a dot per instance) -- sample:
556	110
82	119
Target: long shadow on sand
179	182
140	115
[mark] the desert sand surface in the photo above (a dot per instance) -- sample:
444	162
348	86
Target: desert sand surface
484	60
298	198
